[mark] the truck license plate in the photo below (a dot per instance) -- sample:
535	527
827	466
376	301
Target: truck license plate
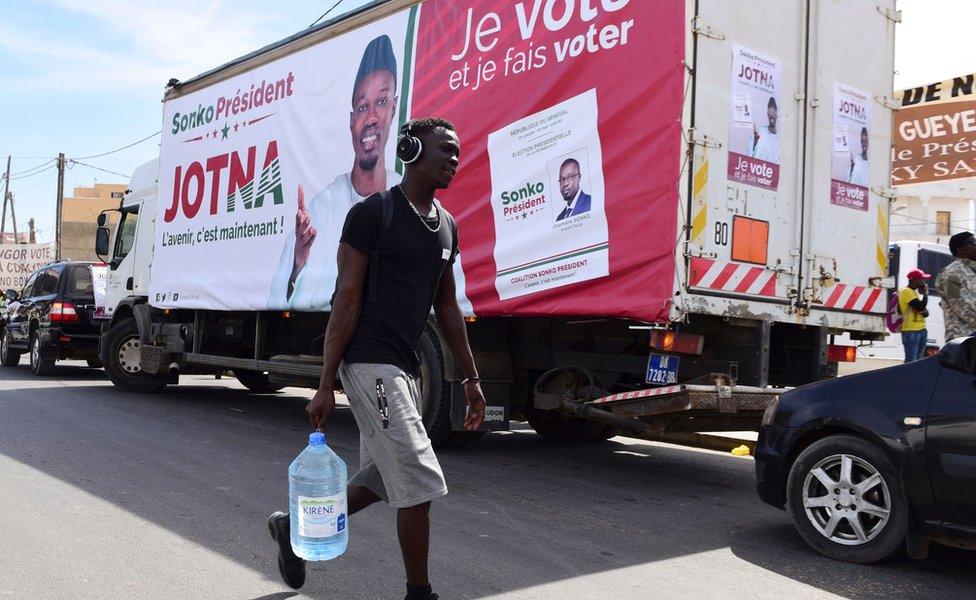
662	369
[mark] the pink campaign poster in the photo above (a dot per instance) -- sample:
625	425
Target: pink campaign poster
755	103
850	169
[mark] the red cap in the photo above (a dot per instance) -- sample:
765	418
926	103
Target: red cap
918	274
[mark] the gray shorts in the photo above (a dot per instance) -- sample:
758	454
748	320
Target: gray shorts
397	462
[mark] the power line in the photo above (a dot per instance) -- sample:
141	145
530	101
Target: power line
77	162
32	169
28	175
126	147
326	13
35	186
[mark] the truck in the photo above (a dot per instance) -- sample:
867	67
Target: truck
667	211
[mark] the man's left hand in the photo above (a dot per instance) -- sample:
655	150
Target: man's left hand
476	406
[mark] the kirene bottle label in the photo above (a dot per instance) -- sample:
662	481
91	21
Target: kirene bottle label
321	517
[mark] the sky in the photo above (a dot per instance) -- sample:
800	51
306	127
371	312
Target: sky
85	77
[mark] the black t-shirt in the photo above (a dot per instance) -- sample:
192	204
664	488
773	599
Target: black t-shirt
411	261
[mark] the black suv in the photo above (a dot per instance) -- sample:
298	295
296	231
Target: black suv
52	318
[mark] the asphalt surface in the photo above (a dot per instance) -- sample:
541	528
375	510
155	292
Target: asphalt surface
109	495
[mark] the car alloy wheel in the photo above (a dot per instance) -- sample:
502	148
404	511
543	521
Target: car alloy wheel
846	499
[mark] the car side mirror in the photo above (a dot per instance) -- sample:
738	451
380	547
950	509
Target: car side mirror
959	355
101	240
102	219
10	295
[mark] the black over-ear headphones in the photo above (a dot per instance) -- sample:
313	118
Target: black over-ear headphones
409	148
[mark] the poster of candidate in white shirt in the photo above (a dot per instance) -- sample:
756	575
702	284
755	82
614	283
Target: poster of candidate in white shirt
754	138
284	150
850	168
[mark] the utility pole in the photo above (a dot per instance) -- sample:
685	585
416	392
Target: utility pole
57	230
31	235
13	217
6	190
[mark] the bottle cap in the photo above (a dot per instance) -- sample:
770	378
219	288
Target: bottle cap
316	439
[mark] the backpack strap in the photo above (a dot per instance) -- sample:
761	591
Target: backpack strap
374	251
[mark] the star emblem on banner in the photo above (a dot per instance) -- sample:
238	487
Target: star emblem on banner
224	131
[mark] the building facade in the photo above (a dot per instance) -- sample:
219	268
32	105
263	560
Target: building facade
934	211
79	215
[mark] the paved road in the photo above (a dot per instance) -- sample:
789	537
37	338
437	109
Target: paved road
107	495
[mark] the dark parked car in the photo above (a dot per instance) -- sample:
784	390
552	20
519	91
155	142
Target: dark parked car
868	462
52	318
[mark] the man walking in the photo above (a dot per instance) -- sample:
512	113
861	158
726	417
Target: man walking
372	340
912	303
957	286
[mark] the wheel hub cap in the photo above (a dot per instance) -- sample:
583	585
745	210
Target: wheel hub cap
128	356
846	499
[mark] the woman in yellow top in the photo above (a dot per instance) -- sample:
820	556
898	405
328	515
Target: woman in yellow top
912	302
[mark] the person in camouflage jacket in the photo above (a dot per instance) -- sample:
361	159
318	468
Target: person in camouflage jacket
957	286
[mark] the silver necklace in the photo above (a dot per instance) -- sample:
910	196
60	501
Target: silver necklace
420	216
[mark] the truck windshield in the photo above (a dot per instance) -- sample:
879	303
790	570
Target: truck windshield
127	233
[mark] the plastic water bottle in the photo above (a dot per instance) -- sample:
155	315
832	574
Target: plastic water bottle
317	494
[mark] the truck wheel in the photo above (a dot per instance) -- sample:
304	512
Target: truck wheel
846	500
39	366
120	356
256	381
552	425
557	426
8	357
436	396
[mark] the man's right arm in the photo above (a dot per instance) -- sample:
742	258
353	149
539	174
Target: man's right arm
346	309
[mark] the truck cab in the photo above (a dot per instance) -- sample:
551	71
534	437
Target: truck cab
130	254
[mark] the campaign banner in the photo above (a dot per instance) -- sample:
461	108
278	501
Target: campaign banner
850	171
934	132
257	172
19	261
565	197
754	142
570	122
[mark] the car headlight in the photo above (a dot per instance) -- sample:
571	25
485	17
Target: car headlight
770	412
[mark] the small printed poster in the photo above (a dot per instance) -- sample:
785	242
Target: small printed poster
850	169
754	144
548	199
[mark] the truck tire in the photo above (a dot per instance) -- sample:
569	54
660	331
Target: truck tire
437	394
120	358
554	426
847	501
256	381
8	357
39	365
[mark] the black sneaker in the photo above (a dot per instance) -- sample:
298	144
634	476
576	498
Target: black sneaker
291	567
430	596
